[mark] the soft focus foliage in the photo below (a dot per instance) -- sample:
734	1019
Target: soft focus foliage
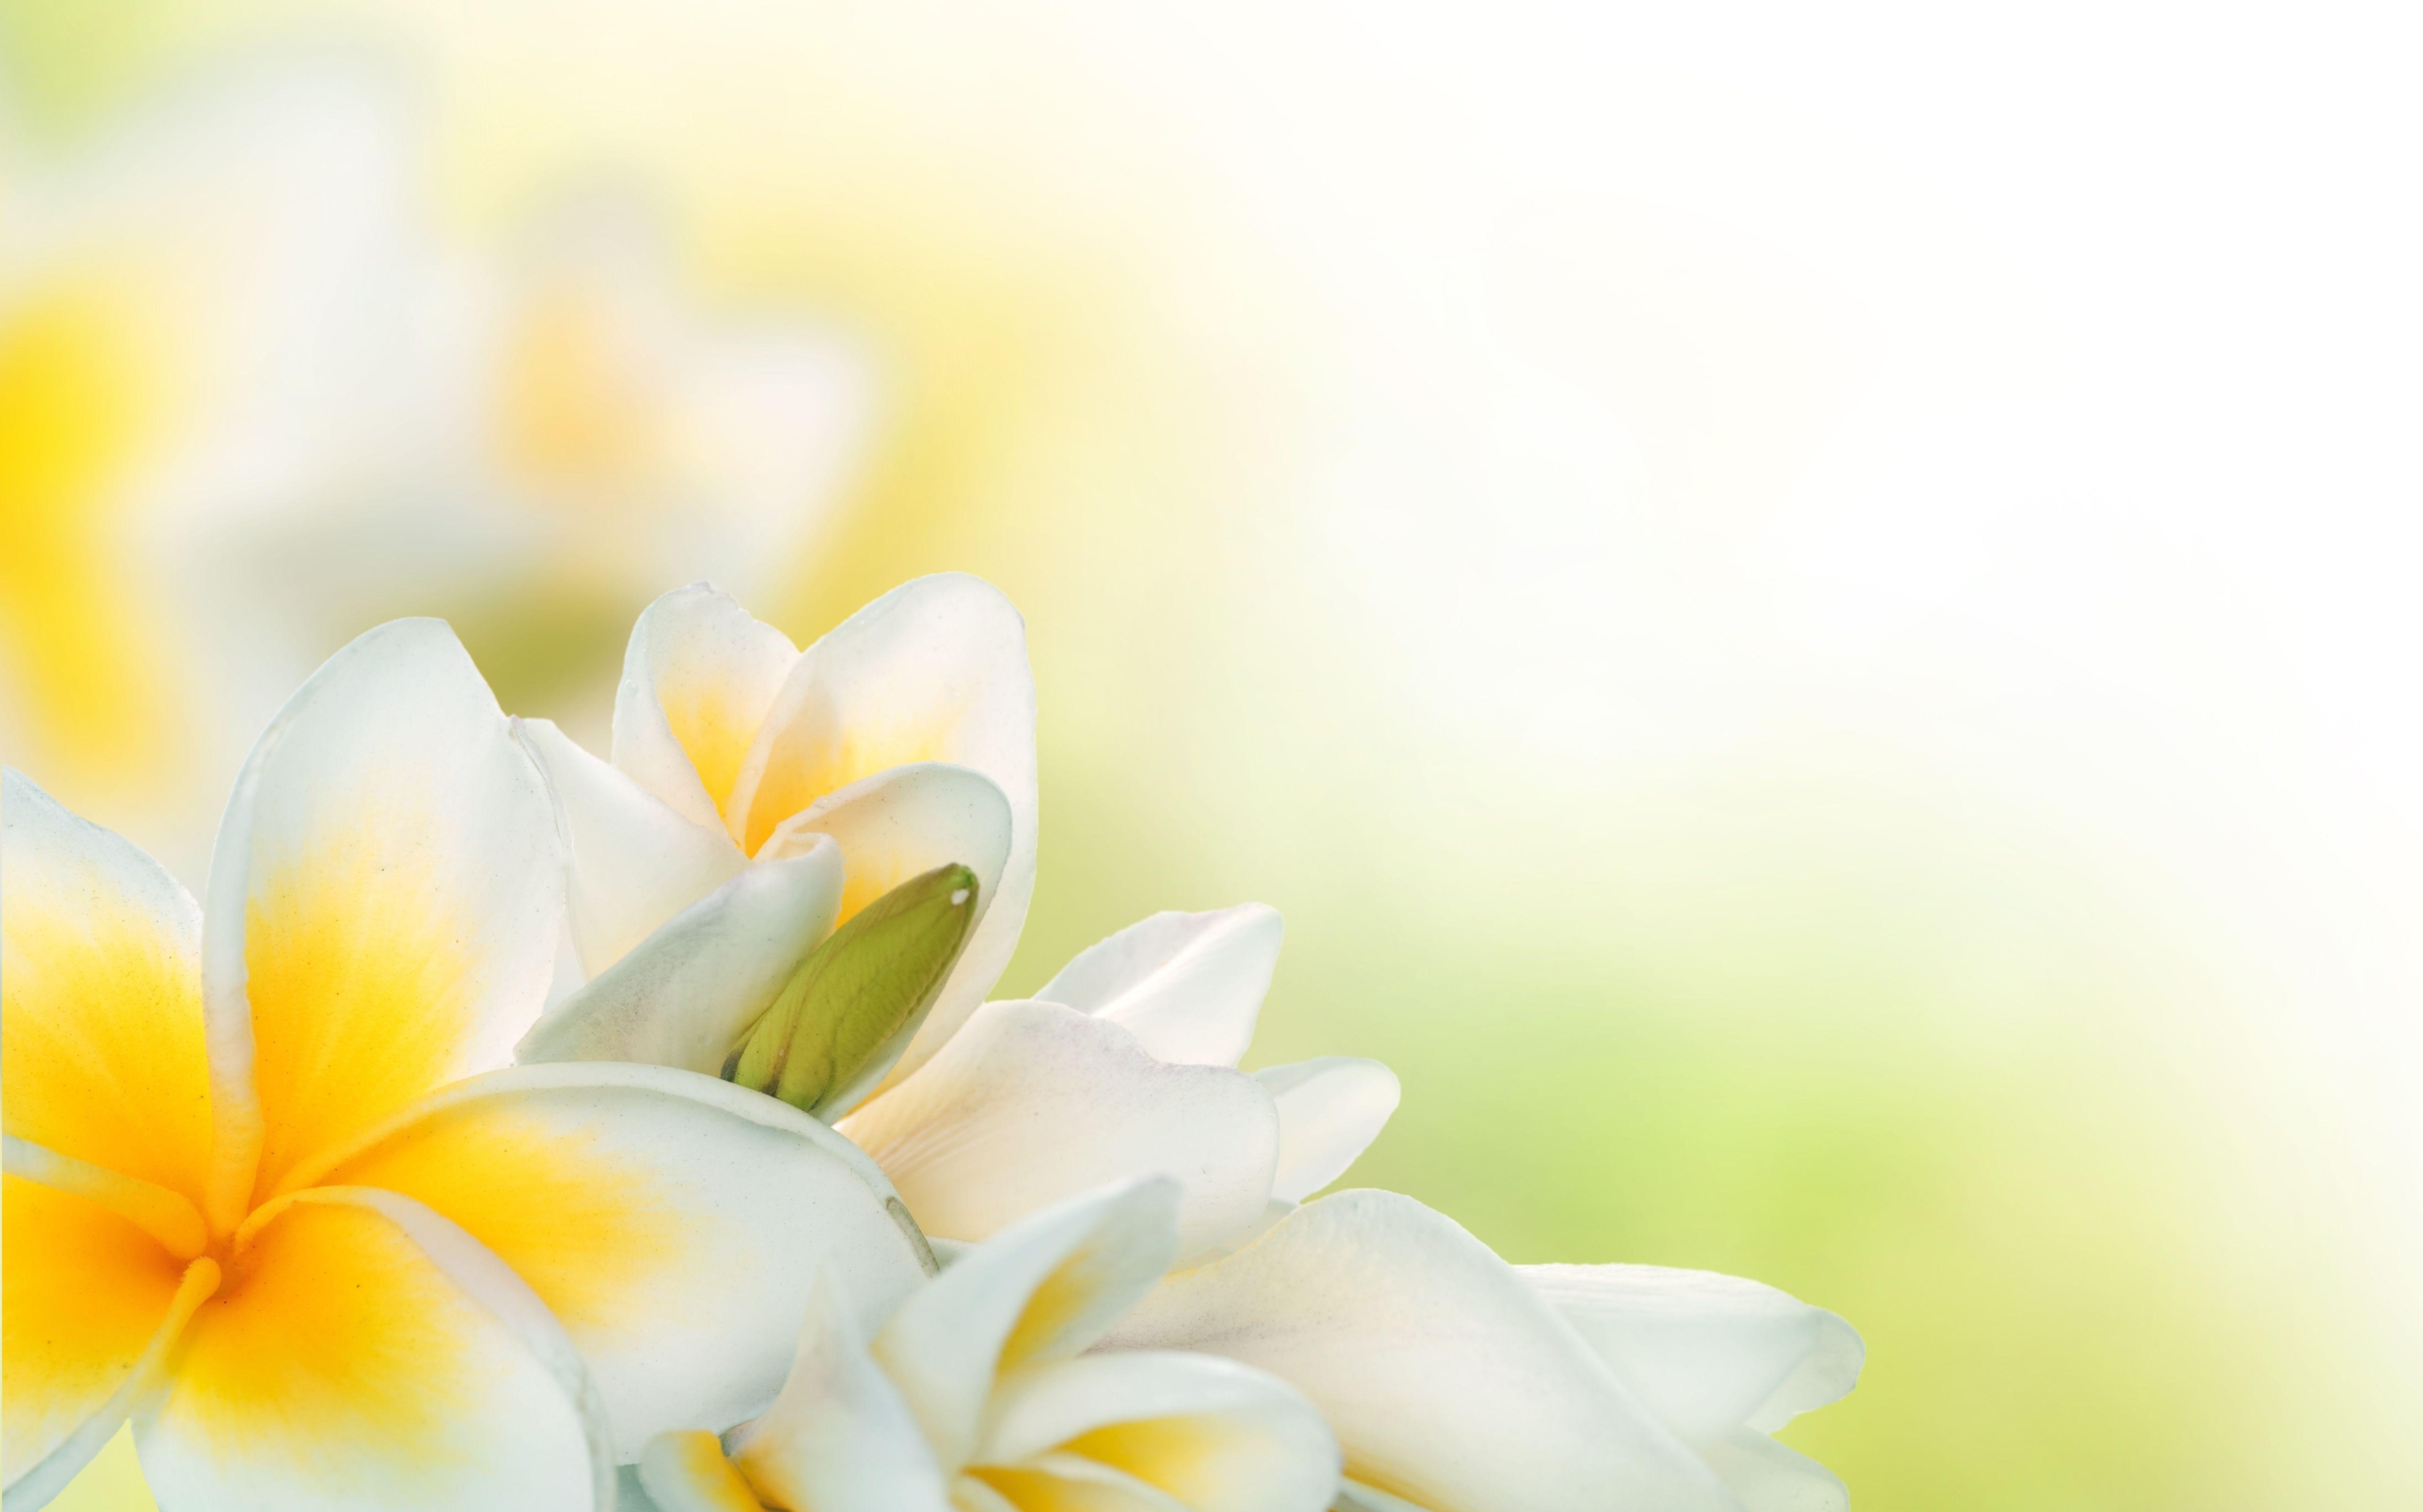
1806	615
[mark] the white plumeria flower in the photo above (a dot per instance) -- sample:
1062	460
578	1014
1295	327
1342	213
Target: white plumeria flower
579	387
250	398
752	805
760	795
273	1192
1125	1065
1459	1383
979	1395
200	316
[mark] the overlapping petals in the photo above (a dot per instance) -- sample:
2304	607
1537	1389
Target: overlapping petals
276	1191
1457	1383
262	1200
905	738
978	1393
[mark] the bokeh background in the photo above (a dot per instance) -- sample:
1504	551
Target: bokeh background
1812	613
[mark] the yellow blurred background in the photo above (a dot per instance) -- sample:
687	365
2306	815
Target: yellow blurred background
1811	618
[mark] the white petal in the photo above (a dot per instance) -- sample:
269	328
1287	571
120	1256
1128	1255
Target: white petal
1770	1479
374	1355
384	908
103	1058
1040	1290
1449	1381
1330	1110
633	861
672	1220
1212	1434
1033	1102
697	678
1186	985
1706	1353
933	670
903	822
685	1472
684	996
839	1436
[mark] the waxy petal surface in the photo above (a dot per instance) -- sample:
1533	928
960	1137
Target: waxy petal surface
1449	1382
100	985
840	1434
1708	1354
1188	986
934	671
1206	1432
632	861
1042	1289
385	903
1034	1102
684	997
698	677
362	1352
1330	1110
670	1220
84	1294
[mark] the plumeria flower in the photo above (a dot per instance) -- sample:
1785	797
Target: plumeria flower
759	795
583	388
273	1193
1125	1065
1459	1383
749	783
251	397
199	314
979	1395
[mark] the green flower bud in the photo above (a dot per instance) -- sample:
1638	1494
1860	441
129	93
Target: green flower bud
848	1012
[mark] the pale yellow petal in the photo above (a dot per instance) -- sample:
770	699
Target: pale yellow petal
363	1352
100	985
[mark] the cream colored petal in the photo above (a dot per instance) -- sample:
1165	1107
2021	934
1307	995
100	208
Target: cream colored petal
385	904
1449	1381
1708	1354
1033	1102
684	996
104	1059
686	1472
901	823
839	1436
1042	1289
367	1353
697	679
632	861
1211	1434
1330	1110
670	1220
1767	1477
934	671
1188	986
1069	1483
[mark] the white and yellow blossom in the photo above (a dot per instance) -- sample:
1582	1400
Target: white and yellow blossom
1459	1383
254	394
979	1395
796	788
269	1194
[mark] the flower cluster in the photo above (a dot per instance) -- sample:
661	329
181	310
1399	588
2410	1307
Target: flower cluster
512	1127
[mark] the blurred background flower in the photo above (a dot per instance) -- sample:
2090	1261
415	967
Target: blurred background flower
1810	616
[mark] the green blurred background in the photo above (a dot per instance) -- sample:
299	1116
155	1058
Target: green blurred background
1790	670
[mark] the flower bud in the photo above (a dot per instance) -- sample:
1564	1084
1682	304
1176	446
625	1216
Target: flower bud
848	1012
